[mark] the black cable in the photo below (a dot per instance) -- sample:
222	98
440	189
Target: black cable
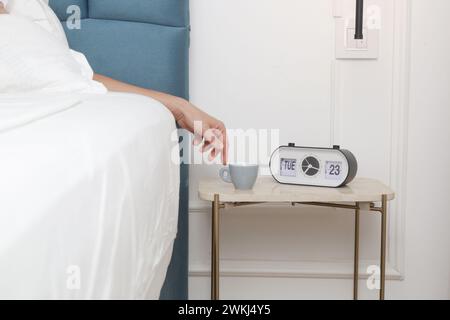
359	20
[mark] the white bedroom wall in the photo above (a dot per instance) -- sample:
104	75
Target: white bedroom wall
255	61
427	253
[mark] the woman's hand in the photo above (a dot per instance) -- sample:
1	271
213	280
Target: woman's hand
2	9
206	129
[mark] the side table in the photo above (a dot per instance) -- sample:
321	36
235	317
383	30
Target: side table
361	194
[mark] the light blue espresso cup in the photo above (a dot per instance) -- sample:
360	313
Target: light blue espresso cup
242	176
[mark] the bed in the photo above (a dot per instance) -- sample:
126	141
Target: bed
93	207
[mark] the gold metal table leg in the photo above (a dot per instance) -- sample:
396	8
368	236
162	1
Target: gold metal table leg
356	254
215	255
383	246
215	275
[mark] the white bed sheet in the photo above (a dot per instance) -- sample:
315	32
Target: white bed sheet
88	200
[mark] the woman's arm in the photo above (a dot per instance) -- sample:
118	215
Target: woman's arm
2	8
212	131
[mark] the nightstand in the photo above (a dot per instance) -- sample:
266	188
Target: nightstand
361	194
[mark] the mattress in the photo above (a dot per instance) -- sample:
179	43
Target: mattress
88	197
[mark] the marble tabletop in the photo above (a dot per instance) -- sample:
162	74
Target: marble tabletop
267	189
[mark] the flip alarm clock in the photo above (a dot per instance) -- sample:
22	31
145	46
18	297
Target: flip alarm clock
321	167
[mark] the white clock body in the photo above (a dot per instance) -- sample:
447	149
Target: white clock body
313	166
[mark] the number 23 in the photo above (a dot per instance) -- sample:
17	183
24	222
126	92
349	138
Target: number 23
335	170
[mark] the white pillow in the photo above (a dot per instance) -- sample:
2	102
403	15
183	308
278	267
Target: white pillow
32	60
39	12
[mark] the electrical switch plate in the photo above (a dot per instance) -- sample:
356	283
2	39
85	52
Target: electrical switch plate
349	48
356	44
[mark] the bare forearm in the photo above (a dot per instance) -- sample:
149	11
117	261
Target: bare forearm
212	132
171	102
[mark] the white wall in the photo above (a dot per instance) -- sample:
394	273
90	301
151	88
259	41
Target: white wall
255	61
428	221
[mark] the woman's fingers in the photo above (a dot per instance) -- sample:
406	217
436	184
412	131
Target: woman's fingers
220	143
206	146
197	139
212	155
225	147
213	135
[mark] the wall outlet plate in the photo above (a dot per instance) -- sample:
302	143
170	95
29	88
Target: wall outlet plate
349	48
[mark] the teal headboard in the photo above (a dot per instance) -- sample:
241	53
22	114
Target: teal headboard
146	43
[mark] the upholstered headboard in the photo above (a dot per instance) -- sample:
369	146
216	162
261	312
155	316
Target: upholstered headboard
146	43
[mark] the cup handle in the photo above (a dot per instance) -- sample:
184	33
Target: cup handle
224	173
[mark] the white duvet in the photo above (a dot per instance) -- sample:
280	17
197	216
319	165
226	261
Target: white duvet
88	196
20	110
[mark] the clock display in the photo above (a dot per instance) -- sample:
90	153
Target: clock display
288	167
333	170
310	166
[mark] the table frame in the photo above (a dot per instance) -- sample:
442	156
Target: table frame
356	207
